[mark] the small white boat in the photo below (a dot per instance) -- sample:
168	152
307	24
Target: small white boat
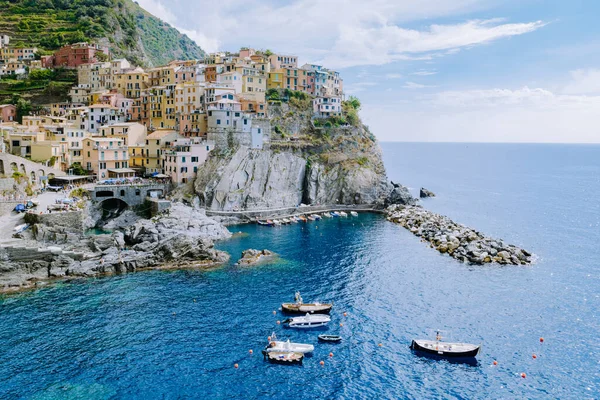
286	221
288	347
35	201
354	213
316	216
327	215
21	228
277	222
294	219
311	218
343	214
334	214
308	321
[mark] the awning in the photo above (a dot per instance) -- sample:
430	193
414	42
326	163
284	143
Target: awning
160	176
122	170
72	178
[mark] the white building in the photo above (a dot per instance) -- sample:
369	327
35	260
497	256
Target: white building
327	106
231	79
4	41
102	114
182	160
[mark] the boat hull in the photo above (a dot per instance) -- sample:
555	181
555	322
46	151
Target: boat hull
284	358
445	350
291	308
285	347
330	338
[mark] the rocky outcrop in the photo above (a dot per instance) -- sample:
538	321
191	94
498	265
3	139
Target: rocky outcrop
458	241
252	257
183	237
424	193
266	179
400	195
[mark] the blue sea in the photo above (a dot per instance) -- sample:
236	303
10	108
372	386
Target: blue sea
178	334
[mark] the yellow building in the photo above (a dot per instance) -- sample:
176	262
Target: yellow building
156	143
162	76
131	84
131	133
275	80
52	152
137	156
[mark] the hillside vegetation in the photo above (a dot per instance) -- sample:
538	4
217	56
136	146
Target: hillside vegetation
123	25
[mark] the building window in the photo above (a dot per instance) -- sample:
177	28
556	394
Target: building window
218	122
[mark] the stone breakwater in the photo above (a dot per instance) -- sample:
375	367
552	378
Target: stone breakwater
458	241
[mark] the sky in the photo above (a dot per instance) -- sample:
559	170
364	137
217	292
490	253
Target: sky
430	70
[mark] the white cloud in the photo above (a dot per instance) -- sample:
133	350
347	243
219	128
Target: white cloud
354	88
393	76
414	85
490	115
424	73
583	81
361	33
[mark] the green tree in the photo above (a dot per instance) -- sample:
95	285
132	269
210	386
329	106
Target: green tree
77	169
23	106
354	102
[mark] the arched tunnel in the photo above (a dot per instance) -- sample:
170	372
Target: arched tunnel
112	208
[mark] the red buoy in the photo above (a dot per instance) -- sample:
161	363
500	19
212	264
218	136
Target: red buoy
278	322
322	363
250	351
523	375
534	356
345	314
269	338
495	362
541	340
341	324
330	354
235	366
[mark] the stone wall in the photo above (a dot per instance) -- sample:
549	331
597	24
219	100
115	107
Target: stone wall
68	221
7	184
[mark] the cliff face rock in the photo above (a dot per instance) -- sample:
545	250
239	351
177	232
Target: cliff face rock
317	164
251	179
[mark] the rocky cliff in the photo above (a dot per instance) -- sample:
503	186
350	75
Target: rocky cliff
325	162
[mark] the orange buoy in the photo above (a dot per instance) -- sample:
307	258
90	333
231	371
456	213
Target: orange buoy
250	351
523	375
235	366
495	362
345	314
322	363
330	354
341	324
541	340
278	322
534	356
380	345
269	338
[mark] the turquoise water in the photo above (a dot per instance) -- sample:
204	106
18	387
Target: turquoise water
178	334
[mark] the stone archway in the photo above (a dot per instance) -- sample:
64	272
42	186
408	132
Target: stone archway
112	207
22	169
13	167
32	174
2	172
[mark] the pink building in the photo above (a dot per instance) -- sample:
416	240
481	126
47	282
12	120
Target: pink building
8	113
74	55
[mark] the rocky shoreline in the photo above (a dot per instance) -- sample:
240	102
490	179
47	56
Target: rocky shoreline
456	240
184	235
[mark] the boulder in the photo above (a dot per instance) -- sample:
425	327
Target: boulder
424	193
252	257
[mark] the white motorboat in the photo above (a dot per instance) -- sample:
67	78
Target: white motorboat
277	222
286	221
308	321
343	214
288	347
327	215
294	219
354	213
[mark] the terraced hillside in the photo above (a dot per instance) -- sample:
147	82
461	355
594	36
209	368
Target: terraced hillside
129	30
